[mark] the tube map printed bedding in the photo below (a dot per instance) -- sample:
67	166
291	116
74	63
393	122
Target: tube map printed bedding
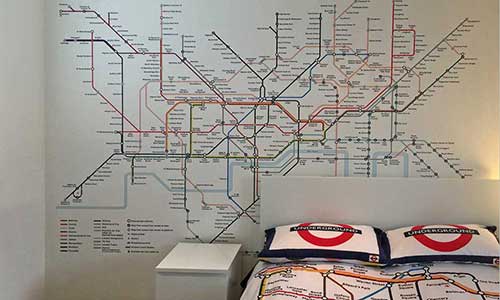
342	281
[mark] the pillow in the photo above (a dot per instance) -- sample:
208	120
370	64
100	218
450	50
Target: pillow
325	242
455	243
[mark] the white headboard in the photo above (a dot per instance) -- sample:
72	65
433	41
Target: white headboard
386	203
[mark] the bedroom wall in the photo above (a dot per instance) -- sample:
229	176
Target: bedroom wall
129	175
22	208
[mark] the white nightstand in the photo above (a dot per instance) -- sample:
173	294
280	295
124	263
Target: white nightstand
201	272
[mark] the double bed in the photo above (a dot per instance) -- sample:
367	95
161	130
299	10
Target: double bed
384	203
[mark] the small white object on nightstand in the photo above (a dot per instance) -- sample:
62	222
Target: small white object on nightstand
200	271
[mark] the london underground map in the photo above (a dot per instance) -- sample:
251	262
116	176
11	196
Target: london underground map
165	116
345	281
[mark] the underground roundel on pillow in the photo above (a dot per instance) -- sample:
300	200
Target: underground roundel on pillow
336	234
321	241
459	243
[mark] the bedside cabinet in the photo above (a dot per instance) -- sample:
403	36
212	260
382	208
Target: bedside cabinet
200	272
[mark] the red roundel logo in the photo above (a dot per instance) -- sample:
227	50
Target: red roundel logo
325	242
461	241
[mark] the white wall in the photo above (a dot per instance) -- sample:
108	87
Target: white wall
22	211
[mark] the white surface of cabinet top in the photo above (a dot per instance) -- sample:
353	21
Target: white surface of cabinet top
199	258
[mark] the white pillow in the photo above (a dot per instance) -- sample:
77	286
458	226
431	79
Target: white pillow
322	241
457	243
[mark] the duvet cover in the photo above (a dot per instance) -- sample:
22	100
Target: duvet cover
343	281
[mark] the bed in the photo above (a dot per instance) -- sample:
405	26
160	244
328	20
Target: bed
385	203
